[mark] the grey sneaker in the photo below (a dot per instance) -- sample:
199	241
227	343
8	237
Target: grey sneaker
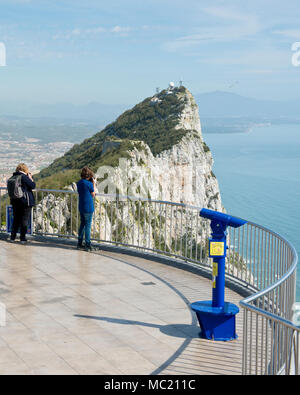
90	248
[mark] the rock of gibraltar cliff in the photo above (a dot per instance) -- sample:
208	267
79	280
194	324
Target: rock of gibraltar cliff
154	150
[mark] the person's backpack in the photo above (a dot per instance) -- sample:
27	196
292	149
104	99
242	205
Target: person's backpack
14	187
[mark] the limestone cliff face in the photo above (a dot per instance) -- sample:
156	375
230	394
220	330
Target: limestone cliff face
181	174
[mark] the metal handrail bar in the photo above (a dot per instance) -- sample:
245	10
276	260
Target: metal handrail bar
117	196
251	298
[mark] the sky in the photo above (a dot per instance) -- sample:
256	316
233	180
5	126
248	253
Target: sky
120	51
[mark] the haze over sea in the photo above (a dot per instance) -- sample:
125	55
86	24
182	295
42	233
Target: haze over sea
259	177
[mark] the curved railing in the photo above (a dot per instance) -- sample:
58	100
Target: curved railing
271	340
259	261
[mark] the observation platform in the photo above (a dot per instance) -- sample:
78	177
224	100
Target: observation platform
105	312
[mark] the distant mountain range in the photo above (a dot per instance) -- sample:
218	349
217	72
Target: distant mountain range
92	111
211	104
220	112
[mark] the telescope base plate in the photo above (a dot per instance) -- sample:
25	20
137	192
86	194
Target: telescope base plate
216	323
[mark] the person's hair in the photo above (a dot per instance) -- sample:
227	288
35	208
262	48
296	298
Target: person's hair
22	167
87	173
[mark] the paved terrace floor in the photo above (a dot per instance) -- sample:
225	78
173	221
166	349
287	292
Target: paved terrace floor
73	312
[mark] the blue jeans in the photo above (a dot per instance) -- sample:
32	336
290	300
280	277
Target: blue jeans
85	228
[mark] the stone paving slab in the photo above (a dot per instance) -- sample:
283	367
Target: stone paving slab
72	312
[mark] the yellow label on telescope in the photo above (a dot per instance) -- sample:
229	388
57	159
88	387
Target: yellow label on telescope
217	248
215	269
214	283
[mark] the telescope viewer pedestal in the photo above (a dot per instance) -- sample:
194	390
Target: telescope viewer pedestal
216	323
217	317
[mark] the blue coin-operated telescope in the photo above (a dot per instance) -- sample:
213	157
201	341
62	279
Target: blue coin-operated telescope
217	317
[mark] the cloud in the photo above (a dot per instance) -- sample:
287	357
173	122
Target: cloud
288	33
225	13
96	30
121	30
87	32
225	25
4	2
259	71
76	32
262	60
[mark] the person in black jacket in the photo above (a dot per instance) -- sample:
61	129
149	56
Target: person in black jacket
22	206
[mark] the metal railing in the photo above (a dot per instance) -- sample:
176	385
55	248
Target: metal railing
259	260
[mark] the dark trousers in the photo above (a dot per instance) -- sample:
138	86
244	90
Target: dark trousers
21	219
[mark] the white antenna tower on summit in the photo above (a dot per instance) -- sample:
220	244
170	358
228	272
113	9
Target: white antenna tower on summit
170	89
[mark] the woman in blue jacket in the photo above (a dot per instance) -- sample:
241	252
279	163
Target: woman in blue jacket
86	191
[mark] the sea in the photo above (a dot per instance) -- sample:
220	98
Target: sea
259	177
